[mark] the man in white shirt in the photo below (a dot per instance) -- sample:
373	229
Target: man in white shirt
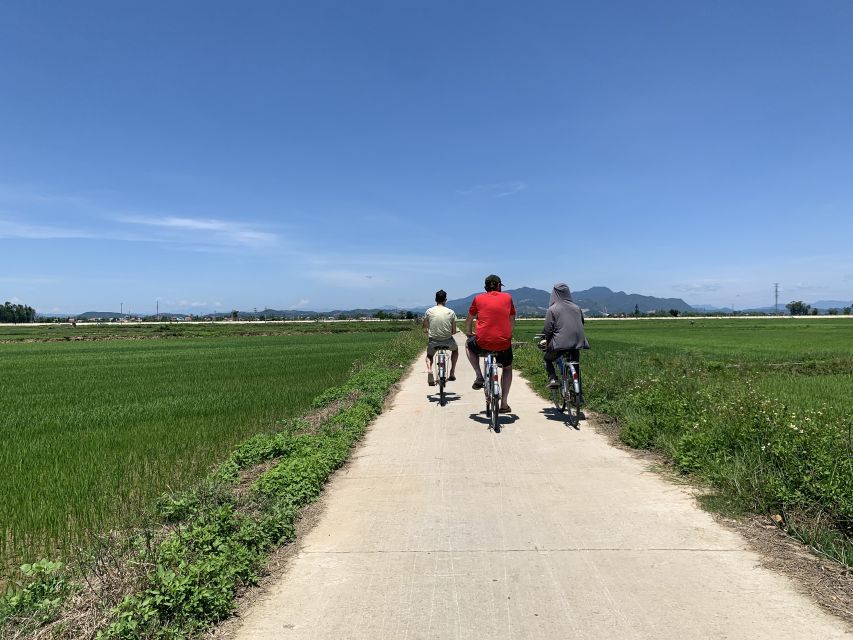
440	325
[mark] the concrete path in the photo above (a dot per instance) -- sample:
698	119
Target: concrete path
440	528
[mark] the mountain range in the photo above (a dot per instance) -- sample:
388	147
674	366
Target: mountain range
597	301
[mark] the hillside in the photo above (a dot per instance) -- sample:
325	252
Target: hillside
596	301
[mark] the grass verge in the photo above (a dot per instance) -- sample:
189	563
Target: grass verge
734	424
183	571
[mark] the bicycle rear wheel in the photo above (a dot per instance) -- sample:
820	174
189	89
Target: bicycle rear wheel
442	400
558	398
495	413
573	408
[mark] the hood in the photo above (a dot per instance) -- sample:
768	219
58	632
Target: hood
561	293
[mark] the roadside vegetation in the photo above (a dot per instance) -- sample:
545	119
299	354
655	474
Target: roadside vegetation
86	331
94	431
759	410
183	570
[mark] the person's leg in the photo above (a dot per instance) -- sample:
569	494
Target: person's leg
550	368
474	359
505	360
430	354
454	356
506	383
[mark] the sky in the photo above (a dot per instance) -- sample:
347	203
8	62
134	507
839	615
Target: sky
207	155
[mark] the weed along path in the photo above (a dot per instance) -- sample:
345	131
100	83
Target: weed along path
440	528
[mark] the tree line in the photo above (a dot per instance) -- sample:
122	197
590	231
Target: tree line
800	308
17	313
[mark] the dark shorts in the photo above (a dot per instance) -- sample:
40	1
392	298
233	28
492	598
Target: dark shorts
433	345
504	357
572	355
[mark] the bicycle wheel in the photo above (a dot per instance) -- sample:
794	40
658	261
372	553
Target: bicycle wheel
441	397
573	408
495	413
558	397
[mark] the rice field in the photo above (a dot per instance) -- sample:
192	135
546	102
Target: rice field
95	430
760	409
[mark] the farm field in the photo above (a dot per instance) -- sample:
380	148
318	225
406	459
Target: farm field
118	330
94	431
761	410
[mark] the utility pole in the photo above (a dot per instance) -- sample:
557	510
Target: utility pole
158	310
776	290
121	308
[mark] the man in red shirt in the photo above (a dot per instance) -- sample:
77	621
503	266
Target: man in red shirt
495	314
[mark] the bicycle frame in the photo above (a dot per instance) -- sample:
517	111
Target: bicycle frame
492	389
441	363
568	398
569	370
441	368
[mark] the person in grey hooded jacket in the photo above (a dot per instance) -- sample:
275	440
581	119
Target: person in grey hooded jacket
563	332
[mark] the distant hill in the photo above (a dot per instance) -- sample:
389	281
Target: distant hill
103	315
598	301
528	301
831	304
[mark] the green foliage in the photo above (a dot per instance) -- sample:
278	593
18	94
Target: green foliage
220	537
17	313
758	409
798	308
94	431
45	589
221	544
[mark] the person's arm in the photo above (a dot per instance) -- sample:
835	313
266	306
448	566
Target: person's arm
453	325
469	319
425	324
548	329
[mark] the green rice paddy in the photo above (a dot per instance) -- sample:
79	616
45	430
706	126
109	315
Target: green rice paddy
94	430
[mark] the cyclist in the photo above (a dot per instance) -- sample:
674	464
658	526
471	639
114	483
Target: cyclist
563	332
495	314
440	324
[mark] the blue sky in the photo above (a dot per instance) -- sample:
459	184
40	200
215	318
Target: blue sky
215	155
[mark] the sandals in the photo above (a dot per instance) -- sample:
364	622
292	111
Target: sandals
479	383
507	409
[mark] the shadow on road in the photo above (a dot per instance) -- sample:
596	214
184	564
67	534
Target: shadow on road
503	419
552	414
448	396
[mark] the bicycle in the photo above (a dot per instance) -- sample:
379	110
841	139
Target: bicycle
492	389
441	368
567	394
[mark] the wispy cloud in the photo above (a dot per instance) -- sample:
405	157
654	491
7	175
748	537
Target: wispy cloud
207	230
806	286
696	287
351	279
496	189
299	304
373	263
11	229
